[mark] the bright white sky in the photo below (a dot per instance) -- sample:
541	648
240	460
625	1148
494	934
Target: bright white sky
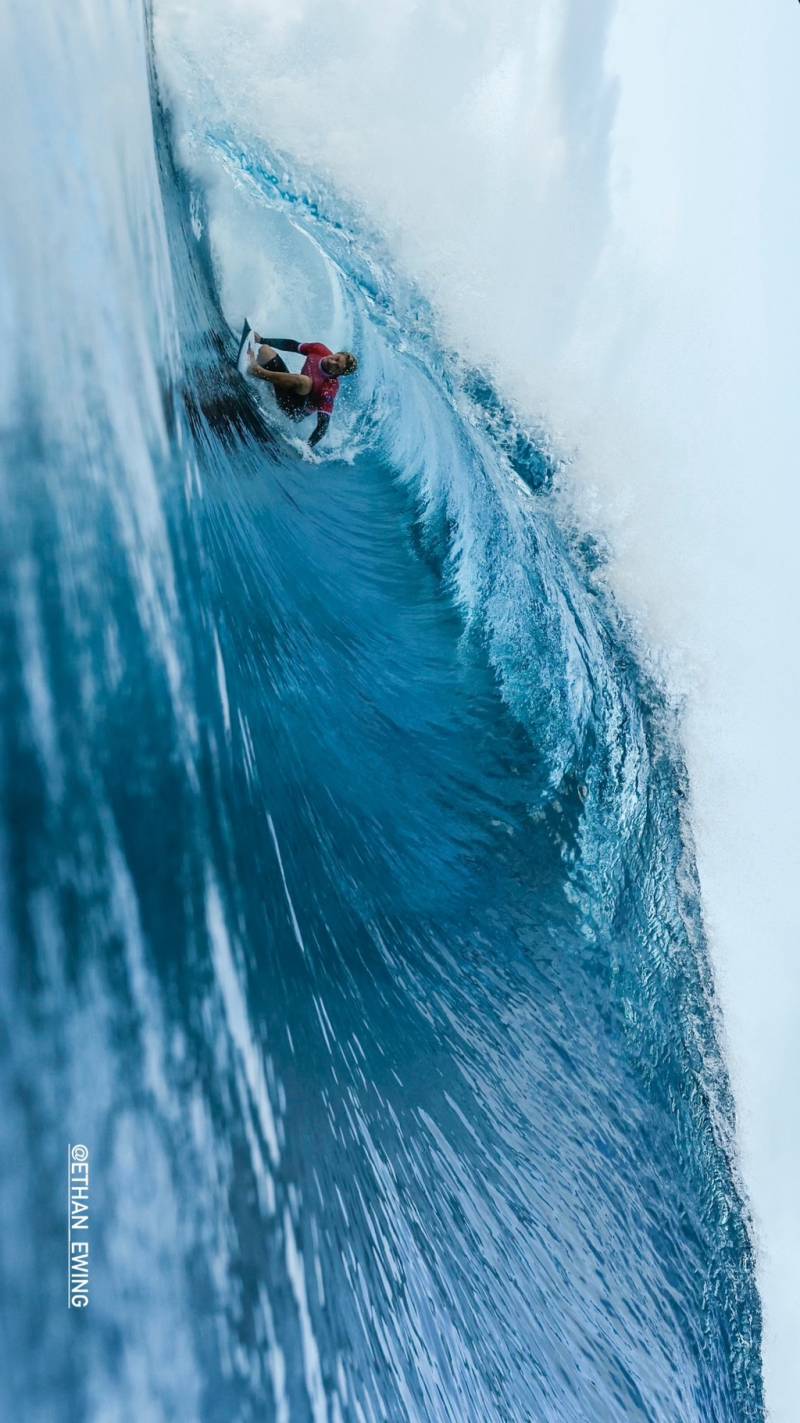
709	117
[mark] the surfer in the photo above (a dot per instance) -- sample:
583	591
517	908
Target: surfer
316	386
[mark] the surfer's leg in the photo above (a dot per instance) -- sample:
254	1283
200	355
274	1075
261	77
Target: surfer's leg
273	368
291	391
268	357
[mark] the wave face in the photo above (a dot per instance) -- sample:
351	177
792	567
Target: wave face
349	912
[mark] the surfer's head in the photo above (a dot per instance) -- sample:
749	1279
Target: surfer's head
342	363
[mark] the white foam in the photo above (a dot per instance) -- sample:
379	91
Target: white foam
595	200
250	1052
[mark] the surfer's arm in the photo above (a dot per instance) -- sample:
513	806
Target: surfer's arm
323	421
299	385
278	344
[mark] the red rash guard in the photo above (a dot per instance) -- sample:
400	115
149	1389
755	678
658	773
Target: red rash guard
324	388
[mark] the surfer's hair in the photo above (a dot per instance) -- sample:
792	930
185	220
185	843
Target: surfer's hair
350	363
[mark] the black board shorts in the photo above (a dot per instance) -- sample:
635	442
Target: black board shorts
295	406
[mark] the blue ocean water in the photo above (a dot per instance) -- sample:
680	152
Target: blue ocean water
349	910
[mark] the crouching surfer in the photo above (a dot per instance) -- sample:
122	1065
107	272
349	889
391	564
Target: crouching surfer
314	389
